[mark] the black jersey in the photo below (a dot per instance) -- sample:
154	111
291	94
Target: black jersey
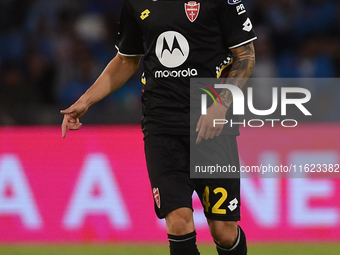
179	40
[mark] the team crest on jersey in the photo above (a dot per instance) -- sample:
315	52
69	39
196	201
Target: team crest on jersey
192	10
157	197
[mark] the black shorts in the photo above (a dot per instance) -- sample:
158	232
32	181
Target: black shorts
168	162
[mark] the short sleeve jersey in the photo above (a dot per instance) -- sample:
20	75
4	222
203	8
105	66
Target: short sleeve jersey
179	40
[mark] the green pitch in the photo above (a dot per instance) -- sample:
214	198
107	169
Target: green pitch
279	249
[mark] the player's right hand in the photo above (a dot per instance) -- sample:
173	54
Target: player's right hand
71	117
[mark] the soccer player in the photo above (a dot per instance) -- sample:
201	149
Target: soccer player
180	40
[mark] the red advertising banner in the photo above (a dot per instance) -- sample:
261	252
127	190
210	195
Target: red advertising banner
93	186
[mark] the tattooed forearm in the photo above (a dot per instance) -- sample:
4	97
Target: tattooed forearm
244	62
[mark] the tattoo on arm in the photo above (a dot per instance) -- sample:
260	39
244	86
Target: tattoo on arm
244	61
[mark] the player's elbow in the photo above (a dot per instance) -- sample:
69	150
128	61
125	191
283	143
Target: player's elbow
132	62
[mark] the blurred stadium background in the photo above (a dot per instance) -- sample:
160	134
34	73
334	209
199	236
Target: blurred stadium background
51	51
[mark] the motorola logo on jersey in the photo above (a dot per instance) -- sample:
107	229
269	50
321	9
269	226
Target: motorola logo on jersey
172	49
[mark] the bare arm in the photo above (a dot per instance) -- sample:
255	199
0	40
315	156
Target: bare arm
244	62
116	73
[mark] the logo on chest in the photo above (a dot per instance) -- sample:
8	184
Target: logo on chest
172	49
192	10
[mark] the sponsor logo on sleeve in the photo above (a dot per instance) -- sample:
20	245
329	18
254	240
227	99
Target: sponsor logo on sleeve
232	2
247	26
240	9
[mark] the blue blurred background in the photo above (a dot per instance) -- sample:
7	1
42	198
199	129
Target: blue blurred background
51	51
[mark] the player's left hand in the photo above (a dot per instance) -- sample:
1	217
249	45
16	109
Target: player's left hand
205	126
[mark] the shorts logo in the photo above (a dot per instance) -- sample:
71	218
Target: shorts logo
232	2
192	9
157	197
233	204
172	49
247	26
